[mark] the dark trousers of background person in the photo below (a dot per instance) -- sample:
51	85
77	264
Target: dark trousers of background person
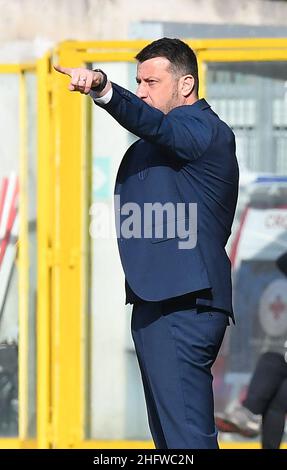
176	345
267	395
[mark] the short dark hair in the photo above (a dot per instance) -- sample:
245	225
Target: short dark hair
182	58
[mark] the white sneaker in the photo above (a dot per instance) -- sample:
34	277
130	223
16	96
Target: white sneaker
240	420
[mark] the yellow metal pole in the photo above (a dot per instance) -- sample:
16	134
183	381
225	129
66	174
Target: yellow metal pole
69	240
85	353
202	68
239	43
16	68
242	55
199	44
44	258
23	264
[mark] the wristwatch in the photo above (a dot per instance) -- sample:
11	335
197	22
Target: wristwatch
102	85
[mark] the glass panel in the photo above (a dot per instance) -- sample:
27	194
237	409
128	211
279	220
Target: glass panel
251	98
116	407
32	249
9	164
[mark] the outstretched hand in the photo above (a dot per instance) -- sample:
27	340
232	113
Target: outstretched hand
82	80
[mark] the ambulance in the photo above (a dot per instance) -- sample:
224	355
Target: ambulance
259	287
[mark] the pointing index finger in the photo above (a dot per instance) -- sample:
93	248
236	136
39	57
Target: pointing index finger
64	70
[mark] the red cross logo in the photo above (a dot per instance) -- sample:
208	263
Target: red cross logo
277	307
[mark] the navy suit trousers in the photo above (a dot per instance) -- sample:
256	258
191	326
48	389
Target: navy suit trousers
176	346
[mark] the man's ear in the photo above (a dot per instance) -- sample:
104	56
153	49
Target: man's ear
187	85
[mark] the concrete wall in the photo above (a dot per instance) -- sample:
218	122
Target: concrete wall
49	21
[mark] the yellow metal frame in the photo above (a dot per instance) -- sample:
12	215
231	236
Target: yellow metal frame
69	248
22	441
63	172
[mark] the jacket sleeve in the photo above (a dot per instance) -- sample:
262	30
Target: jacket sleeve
186	134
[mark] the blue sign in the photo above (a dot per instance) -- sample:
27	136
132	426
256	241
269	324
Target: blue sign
101	178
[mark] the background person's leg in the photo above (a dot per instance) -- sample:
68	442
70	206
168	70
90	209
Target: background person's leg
266	379
273	421
246	418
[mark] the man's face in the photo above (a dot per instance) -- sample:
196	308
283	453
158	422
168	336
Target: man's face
157	85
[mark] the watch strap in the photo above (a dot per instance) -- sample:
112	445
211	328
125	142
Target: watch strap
102	85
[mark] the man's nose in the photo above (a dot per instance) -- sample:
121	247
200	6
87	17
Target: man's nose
141	91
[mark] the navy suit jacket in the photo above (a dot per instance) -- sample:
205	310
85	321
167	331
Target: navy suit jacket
185	156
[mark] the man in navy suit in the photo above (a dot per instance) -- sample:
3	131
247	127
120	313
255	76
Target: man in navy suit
176	193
